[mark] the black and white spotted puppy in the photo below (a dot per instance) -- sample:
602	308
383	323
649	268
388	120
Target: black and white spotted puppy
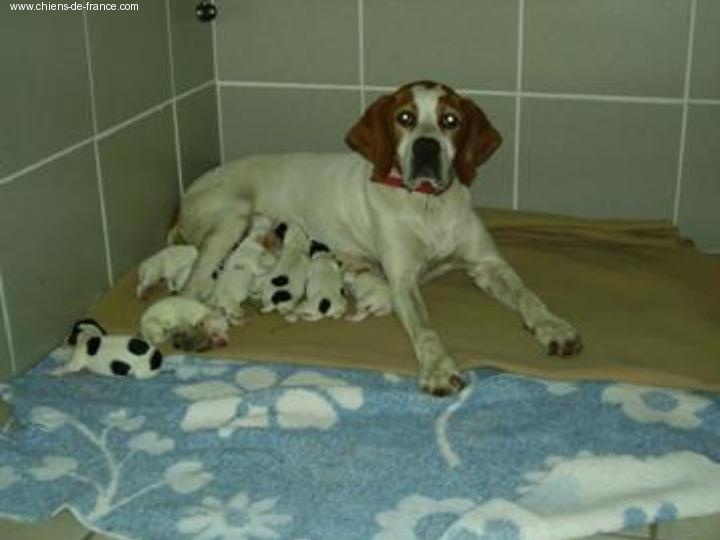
171	265
110	355
249	260
324	292
370	291
284	287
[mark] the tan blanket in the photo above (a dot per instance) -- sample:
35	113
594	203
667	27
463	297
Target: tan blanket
647	305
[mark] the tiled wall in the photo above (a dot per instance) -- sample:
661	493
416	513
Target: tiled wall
608	108
103	118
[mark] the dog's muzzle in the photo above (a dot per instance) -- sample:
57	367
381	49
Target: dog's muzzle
426	163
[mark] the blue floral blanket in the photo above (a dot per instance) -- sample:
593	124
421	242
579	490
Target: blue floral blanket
212	450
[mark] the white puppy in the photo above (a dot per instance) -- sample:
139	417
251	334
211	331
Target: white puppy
250	259
324	293
188	322
172	265
370	292
284	287
119	356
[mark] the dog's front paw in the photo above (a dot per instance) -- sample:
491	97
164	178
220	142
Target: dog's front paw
441	379
557	336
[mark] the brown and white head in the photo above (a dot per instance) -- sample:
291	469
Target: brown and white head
426	135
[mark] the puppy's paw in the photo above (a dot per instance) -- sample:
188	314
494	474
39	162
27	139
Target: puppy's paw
441	379
558	337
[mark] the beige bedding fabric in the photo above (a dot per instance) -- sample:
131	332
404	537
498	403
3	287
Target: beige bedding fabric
647	305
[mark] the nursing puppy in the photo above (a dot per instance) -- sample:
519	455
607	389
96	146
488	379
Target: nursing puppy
247	262
189	323
370	292
324	295
284	286
171	265
402	201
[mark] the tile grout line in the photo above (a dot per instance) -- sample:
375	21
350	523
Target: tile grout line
290	85
38	164
173	90
685	107
703	101
518	105
96	150
133	119
102	135
606	98
218	97
195	90
361	53
8	325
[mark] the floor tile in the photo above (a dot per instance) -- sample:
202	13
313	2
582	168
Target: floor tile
61	527
703	528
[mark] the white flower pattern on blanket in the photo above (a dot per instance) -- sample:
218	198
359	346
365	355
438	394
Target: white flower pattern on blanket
238	519
648	405
181	477
308	402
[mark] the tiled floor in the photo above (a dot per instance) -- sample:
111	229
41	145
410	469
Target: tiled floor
64	527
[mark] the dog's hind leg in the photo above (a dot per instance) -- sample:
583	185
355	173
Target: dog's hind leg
216	246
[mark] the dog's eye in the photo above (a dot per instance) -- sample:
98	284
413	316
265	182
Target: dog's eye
449	121
405	119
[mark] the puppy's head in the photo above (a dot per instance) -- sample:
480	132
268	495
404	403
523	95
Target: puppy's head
215	326
83	330
429	132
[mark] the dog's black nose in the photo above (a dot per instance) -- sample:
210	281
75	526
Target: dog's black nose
425	148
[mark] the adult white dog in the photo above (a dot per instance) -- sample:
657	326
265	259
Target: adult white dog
401	200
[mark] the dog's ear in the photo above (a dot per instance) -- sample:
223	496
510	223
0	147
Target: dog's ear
475	143
372	136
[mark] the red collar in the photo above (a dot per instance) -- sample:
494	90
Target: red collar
394	179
